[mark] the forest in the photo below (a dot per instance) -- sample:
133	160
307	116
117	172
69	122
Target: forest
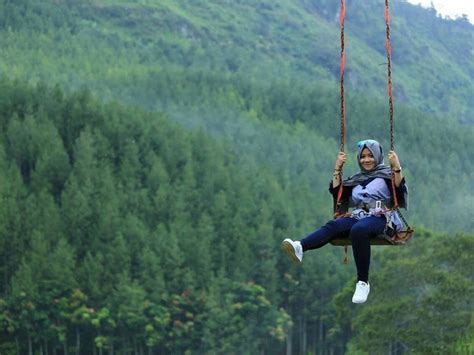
153	156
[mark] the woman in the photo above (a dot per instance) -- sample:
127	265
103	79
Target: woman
369	192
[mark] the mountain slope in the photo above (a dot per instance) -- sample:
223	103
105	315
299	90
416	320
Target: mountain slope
432	70
238	67
162	229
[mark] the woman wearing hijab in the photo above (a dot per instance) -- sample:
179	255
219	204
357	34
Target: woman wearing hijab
369	193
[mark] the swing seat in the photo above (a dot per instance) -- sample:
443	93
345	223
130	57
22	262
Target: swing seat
399	238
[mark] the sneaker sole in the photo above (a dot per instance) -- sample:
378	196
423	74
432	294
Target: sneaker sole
289	251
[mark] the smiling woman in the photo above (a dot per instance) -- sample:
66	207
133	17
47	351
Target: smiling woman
375	193
367	160
368	192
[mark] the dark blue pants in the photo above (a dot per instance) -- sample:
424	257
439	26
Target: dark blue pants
360	232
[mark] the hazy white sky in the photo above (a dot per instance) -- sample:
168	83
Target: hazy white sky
451	8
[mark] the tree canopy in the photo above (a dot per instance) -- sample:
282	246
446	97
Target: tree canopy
153	155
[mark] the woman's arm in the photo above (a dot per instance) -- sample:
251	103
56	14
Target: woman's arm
400	191
396	167
336	176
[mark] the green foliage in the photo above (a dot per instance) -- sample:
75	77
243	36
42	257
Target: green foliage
111	45
123	230
420	301
121	256
246	72
241	317
166	239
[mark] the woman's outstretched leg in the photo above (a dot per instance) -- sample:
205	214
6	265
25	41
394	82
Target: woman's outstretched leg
323	235
316	239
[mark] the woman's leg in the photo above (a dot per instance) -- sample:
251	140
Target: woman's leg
323	235
360	234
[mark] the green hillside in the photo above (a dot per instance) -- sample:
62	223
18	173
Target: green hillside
122	232
104	43
233	68
154	153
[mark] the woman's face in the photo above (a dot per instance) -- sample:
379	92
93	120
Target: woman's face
367	160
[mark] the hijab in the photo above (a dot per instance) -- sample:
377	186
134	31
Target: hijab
380	170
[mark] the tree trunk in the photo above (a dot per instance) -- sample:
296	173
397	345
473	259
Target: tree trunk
395	347
30	345
320	330
304	340
5	277
78	341
321	333
289	342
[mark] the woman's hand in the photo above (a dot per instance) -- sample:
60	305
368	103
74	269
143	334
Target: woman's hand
396	168
393	159
336	177
340	160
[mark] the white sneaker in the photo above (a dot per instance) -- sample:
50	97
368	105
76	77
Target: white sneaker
294	250
361	292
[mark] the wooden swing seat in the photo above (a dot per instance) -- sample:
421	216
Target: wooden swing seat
399	238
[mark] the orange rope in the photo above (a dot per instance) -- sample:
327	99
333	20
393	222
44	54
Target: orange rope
342	16
388	48
341	67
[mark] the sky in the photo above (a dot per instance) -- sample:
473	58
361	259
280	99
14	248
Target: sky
451	8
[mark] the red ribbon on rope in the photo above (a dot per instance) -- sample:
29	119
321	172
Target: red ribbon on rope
341	69
343	62
343	13
341	21
388	47
387	14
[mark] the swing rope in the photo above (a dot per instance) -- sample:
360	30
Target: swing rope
338	210
342	64
388	48
342	16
